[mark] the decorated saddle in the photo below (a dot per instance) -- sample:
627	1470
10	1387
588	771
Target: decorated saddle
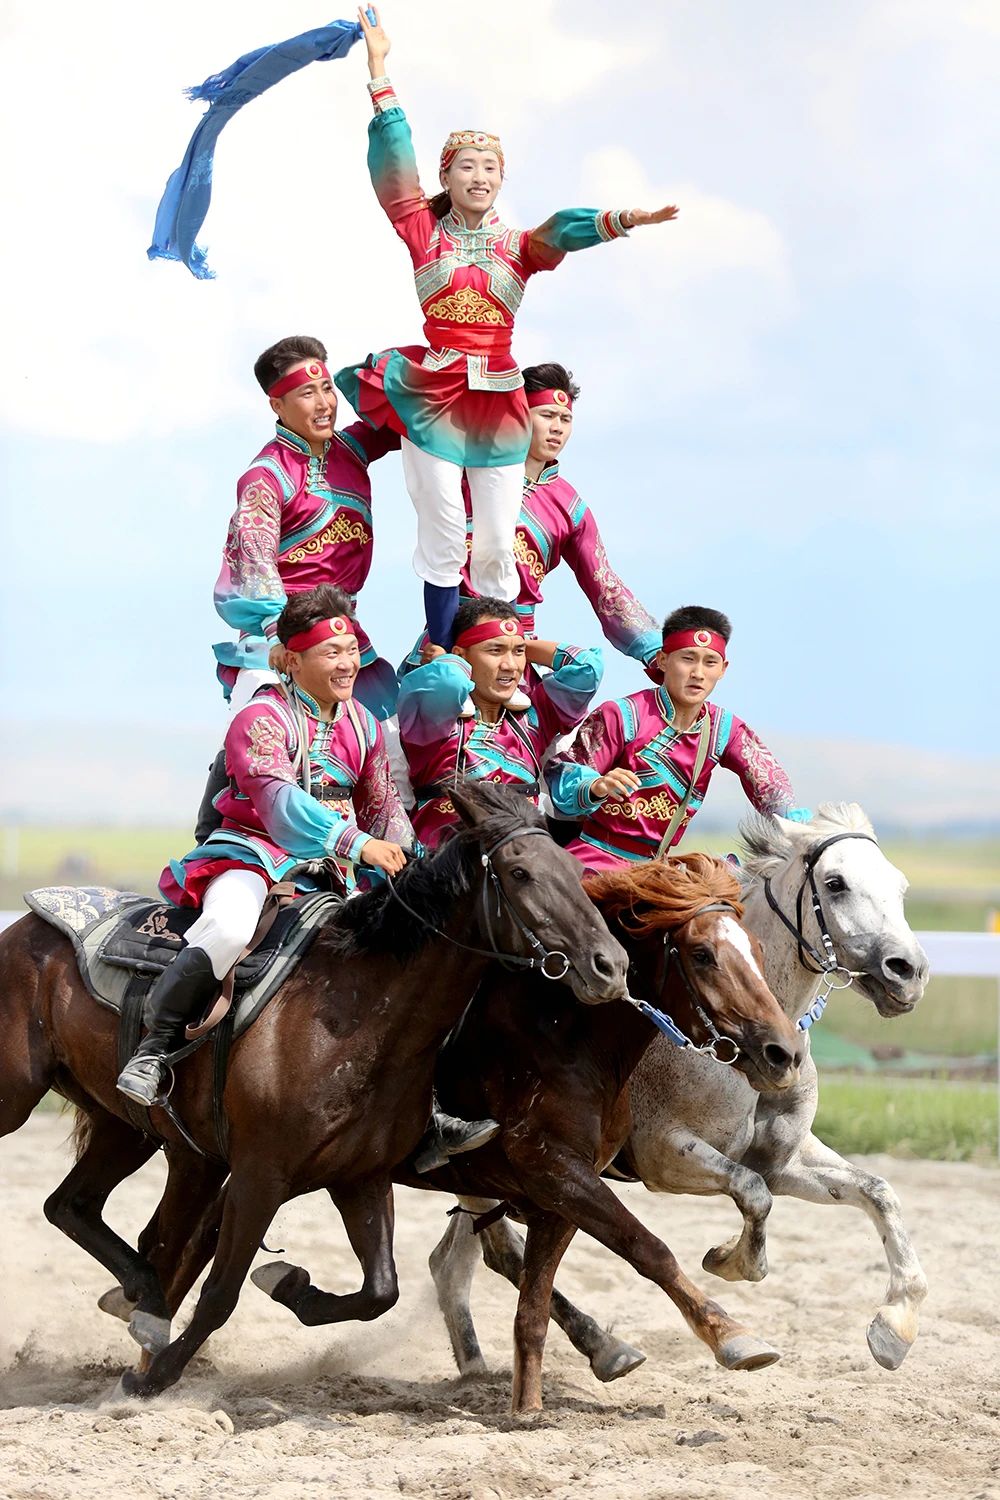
121	938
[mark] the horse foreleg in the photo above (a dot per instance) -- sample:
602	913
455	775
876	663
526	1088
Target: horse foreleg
685	1163
571	1188
452	1264
367	1213
819	1175
250	1205
546	1244
114	1150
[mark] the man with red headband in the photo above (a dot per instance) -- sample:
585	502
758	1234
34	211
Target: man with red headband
447	734
556	525
308	781
303	517
640	766
458	402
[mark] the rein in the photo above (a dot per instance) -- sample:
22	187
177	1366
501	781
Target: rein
552	963
666	1023
826	963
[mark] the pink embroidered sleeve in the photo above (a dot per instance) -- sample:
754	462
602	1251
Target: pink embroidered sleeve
629	627
767	787
249	594
377	804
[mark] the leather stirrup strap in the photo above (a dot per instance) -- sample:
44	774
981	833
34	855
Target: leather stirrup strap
279	895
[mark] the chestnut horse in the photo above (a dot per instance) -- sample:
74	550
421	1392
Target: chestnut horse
332	1085
555	1074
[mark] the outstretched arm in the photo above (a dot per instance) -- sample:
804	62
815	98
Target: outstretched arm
764	780
376	40
626	624
580	229
391	160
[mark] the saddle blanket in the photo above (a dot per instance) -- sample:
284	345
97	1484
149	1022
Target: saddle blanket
119	934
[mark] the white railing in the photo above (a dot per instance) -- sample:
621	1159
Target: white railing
967	955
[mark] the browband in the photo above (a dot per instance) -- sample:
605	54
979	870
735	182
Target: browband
487	630
551	397
337	627
678	639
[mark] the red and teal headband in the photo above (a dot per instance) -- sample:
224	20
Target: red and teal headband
336	628
488	630
551	398
305	374
707	639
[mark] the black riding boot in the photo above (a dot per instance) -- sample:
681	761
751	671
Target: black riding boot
209	817
178	996
447	1136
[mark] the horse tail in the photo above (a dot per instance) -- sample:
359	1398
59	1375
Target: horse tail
83	1129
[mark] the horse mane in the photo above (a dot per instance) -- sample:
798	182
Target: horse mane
664	894
768	842
375	922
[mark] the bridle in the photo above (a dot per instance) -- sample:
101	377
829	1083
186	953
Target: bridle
827	962
665	1023
551	964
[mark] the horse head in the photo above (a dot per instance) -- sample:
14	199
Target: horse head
841	902
533	903
680	920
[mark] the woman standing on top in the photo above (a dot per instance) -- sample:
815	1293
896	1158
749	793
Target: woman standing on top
460	404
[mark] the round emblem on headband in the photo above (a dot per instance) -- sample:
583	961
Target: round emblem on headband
509	627
338	626
703	637
561	398
314	370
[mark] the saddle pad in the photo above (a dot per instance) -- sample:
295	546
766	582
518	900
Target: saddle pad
117	934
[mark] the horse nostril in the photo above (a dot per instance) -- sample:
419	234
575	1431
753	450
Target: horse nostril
778	1057
604	965
899	968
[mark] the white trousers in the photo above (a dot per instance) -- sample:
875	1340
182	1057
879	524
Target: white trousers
248	680
228	920
435	488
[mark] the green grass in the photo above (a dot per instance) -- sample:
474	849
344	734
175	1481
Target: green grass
914	1117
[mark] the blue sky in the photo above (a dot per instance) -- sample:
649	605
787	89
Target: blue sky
789	394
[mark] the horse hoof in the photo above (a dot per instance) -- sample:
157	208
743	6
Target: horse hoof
745	1352
133	1384
117	1304
888	1348
279	1274
725	1263
616	1360
150	1332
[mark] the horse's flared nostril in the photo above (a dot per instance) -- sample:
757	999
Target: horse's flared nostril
605	965
778	1057
899	968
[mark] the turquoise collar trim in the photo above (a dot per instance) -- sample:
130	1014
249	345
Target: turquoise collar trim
312	707
286	435
454	222
664	703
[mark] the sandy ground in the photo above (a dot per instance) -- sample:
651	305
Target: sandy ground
273	1409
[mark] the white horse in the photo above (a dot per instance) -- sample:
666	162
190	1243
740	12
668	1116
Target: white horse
828	908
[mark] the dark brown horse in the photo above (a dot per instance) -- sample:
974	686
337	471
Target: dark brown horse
330	1089
555	1075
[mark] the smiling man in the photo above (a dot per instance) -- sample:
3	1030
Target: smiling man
303	517
308	780
456	717
640	766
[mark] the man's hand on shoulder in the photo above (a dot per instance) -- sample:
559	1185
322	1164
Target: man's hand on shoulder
277	658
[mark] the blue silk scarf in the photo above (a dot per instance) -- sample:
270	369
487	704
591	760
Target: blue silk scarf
188	192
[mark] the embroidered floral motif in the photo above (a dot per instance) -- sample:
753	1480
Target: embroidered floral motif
341	529
268	753
528	557
616	601
772	789
253	541
465	306
156	922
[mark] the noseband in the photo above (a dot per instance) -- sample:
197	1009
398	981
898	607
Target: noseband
666	1023
551	963
825	963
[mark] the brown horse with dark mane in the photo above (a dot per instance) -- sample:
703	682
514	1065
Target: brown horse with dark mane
330	1088
555	1074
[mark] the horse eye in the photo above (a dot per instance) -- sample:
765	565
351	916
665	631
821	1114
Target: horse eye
703	956
835	884
519	873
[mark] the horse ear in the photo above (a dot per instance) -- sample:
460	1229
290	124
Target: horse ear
468	806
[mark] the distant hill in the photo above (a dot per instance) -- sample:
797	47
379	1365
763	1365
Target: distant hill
154	774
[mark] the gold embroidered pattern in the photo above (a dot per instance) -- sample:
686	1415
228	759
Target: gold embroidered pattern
341	529
268	751
526	555
659	807
465	306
